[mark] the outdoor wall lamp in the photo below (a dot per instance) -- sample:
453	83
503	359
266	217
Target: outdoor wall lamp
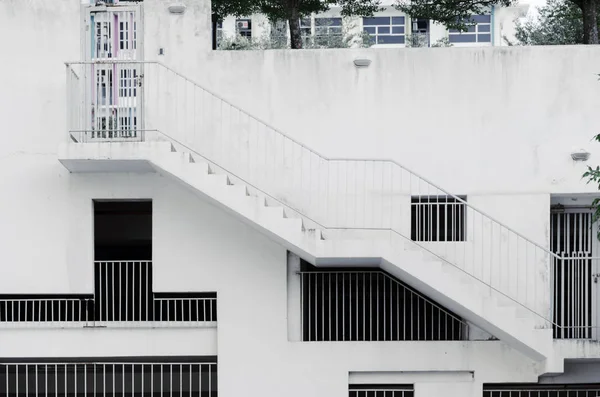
177	8
580	155
362	62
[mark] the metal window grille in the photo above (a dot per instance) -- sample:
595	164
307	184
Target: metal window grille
438	218
542	391
572	276
381	391
108	379
371	306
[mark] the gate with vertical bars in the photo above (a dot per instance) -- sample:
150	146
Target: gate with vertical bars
573	239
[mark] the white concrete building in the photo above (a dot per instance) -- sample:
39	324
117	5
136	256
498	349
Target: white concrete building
389	28
182	221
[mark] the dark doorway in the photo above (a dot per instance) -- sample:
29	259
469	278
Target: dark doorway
123	260
122	230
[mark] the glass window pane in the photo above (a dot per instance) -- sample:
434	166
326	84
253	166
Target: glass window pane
398	29
484	38
383	29
376	21
397	20
483	28
462	38
481	18
370	30
390	39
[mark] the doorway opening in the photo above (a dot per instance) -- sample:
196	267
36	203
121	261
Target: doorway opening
123	260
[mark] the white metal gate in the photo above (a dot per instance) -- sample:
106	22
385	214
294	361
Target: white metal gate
574	277
114	74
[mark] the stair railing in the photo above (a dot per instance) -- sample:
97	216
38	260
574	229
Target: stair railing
358	194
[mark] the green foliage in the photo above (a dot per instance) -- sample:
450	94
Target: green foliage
348	38
286	10
237	8
559	22
454	14
422	40
443	42
593	175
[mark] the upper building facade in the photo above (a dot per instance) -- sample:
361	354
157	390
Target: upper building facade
389	28
365	222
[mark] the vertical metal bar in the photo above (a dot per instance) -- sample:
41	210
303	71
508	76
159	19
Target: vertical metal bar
127	290
337	308
377	302
364	288
302	319
322	303
140	295
343	307
371	307
310	331
147	293
357	303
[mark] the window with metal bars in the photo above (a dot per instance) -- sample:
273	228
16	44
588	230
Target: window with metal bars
191	379
370	305
380	390
438	218
572	238
536	390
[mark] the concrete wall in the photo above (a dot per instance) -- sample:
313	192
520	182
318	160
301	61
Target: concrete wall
496	125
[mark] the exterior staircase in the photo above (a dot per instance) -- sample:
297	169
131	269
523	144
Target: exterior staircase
473	283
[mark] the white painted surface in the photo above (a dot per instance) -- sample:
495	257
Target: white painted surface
496	125
98	342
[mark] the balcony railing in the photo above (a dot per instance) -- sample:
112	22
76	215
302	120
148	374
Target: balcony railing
381	391
123	298
191	379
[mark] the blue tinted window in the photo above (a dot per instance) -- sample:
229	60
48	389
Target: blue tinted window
453	30
483	28
370	30
397	20
398	29
462	38
384	29
484	38
471	29
376	21
390	39
481	18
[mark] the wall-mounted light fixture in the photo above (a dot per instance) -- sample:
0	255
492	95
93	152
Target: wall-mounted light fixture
362	62
580	155
177	8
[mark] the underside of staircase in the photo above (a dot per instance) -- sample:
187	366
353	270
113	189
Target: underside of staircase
433	276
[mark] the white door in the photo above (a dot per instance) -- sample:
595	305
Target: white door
114	93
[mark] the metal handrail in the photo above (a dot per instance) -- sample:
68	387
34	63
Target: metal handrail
322	156
483	214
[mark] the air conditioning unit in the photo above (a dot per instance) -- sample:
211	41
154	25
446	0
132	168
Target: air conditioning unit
243	24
